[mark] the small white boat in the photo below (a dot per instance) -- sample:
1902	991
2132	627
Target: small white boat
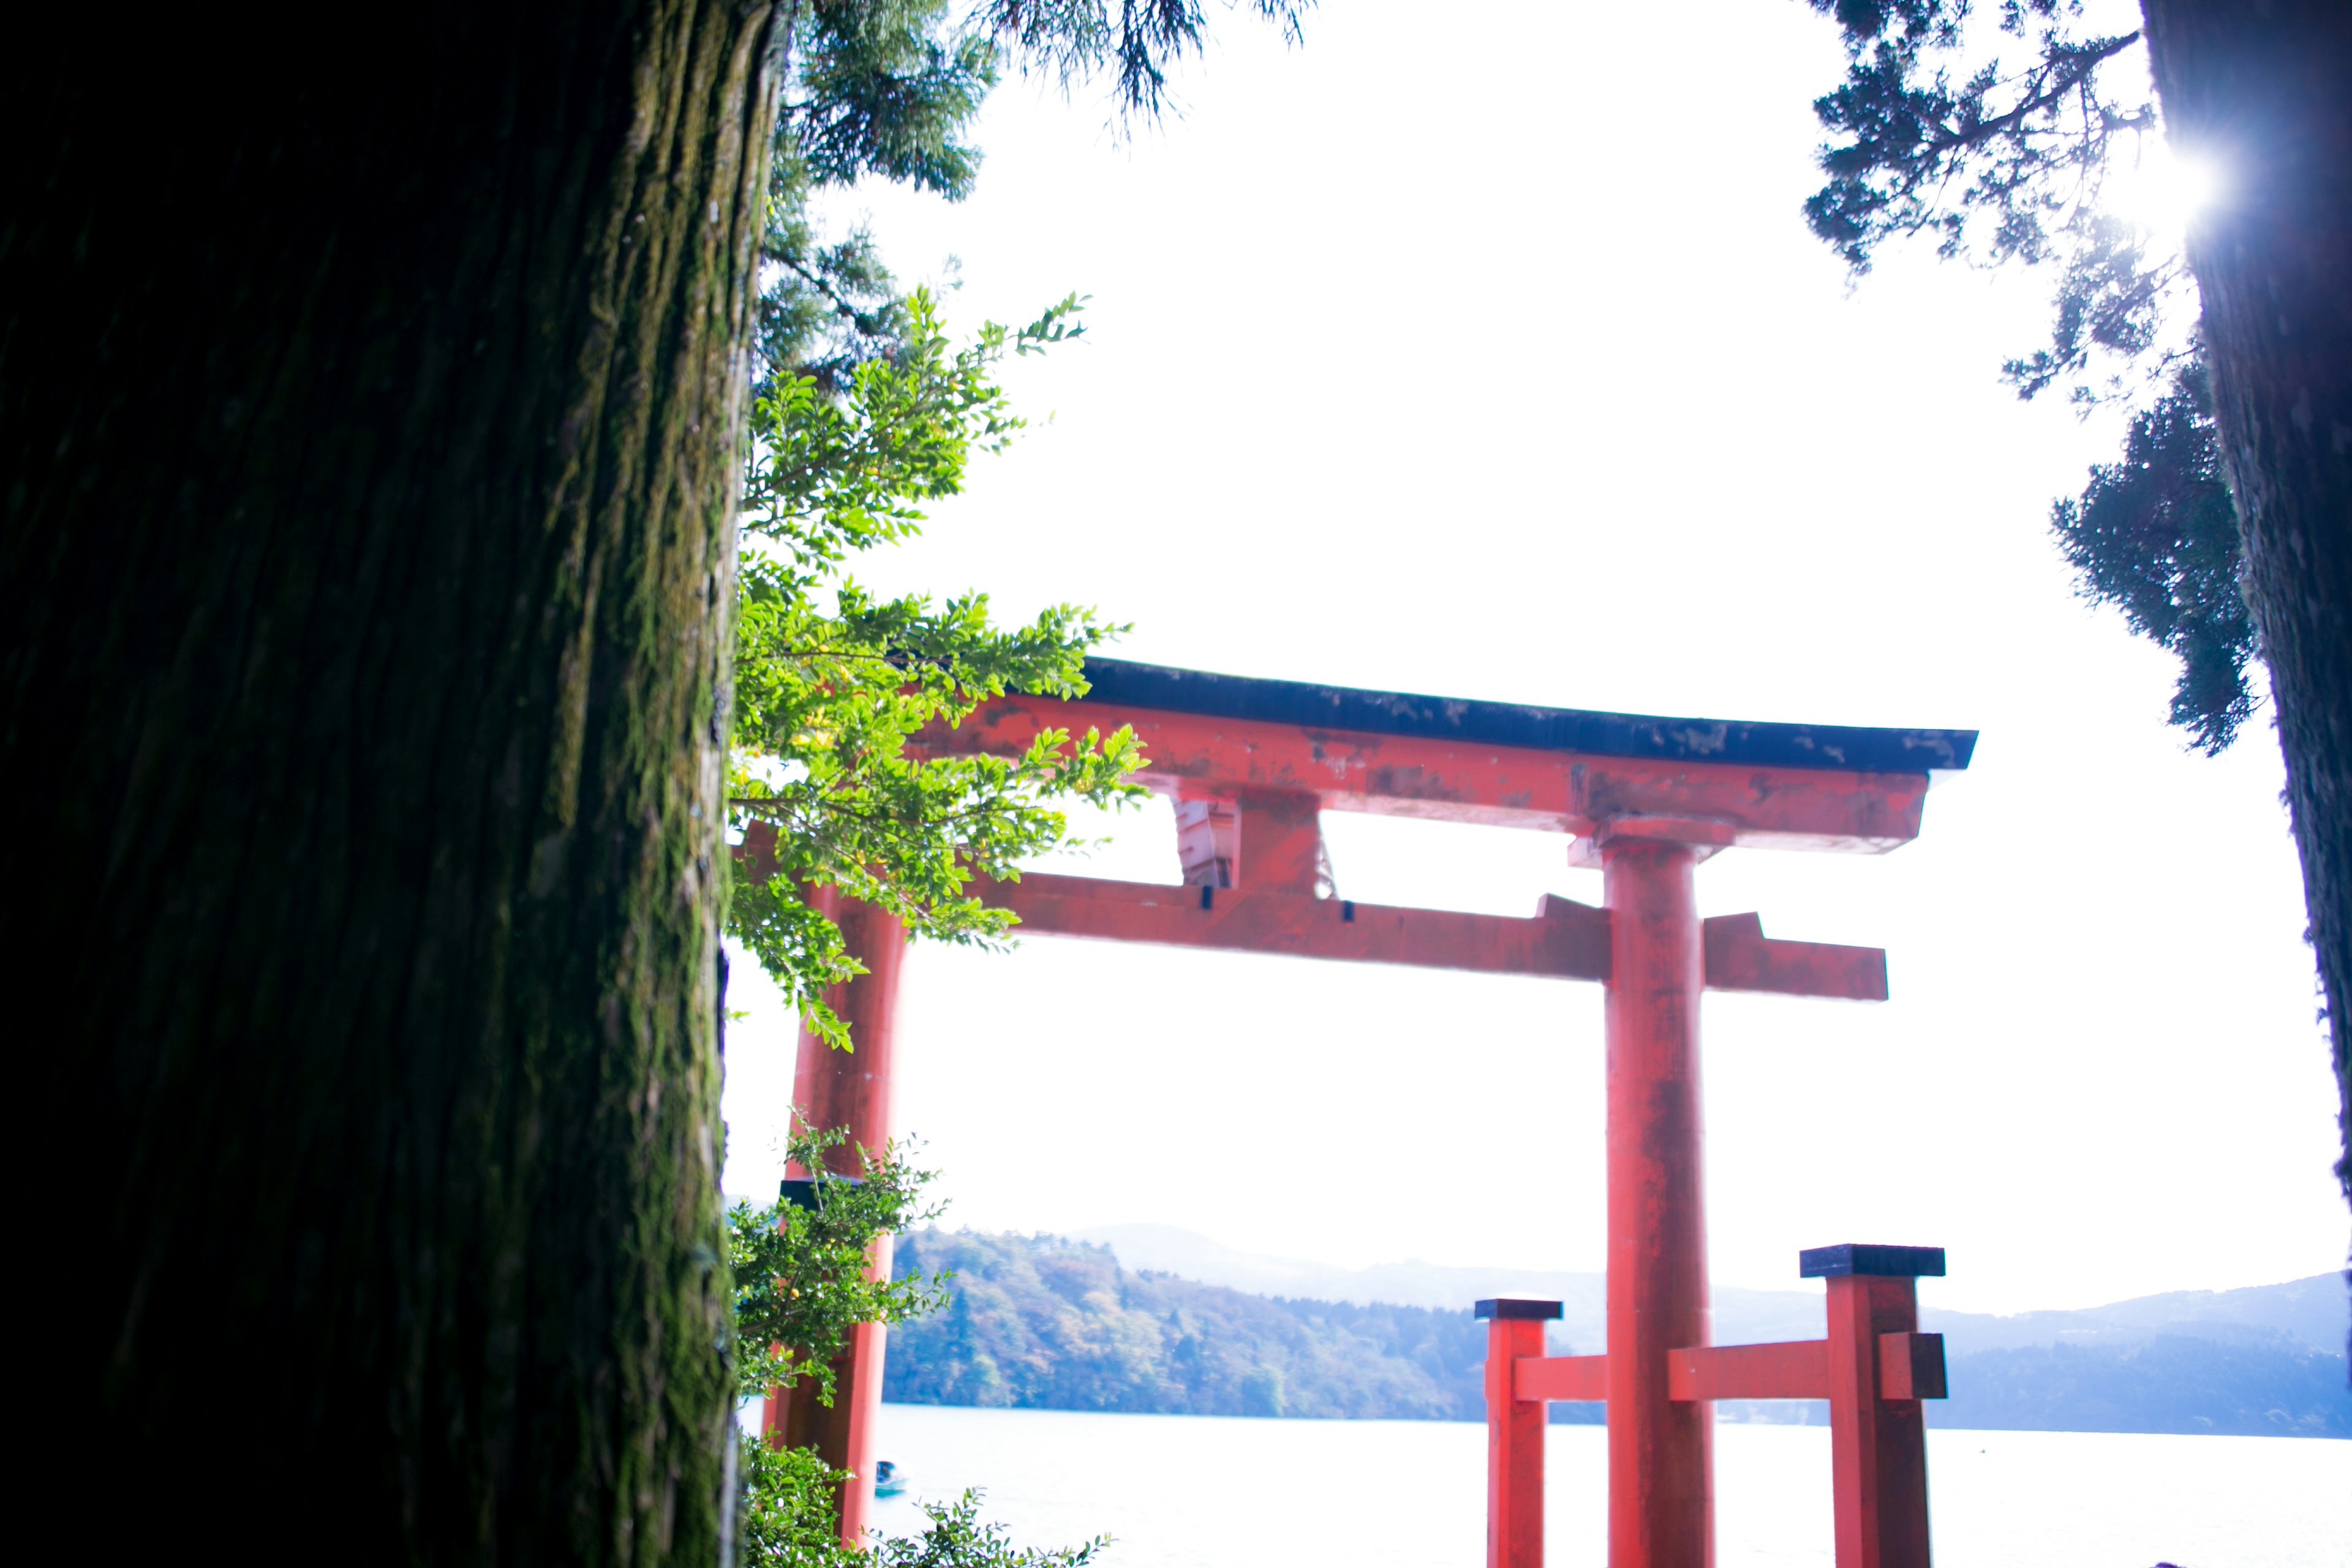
888	1481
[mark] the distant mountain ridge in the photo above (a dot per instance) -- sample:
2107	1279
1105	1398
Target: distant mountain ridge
1042	1322
2299	1315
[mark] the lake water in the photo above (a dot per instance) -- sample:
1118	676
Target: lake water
1189	1491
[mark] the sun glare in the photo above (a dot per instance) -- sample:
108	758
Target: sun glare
2161	188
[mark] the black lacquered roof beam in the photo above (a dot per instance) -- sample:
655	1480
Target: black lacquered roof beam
1172	690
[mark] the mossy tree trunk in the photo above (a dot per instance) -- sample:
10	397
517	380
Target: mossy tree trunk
2265	91
369	404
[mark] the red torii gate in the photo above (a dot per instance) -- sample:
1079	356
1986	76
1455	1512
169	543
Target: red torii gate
1250	766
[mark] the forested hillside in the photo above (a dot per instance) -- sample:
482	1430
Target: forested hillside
1038	1323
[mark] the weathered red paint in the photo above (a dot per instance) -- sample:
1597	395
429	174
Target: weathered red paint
1191	756
1564	940
1515	1447
1567	941
1740	957
1661	1475
1878	1446
848	1089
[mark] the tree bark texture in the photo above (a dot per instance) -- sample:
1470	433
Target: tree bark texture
370	408
2264	90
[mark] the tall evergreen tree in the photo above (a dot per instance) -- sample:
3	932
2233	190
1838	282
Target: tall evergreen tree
372	411
1939	128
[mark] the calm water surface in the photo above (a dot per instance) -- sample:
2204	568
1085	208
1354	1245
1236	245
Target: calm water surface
1196	1492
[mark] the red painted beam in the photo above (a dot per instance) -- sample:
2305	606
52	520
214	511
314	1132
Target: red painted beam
1796	1369
1569	940
1910	1366
1740	957
1456	780
1562	1377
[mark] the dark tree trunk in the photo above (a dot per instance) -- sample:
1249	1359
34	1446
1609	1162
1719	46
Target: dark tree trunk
369	409
2266	92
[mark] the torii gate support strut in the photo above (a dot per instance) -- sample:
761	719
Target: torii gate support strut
1251	764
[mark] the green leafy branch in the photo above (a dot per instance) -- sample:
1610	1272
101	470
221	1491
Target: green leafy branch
820	773
801	1275
957	1539
787	1521
833	473
828	694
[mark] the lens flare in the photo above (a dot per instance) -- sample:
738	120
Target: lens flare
2161	188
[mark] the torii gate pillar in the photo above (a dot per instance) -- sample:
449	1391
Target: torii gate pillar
850	1090
1661	1450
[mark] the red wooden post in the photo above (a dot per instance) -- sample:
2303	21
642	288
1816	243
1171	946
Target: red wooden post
1515	1434
1661	1480
1878	1445
848	1089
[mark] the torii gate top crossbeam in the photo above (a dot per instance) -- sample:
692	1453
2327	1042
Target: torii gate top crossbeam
1252	763
1792	787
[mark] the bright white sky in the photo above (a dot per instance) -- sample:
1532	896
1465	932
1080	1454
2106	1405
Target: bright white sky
1494	360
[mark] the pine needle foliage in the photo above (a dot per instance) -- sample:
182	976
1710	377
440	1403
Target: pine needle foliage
1998	136
2156	535
1976	161
1941	129
887	89
1137	41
